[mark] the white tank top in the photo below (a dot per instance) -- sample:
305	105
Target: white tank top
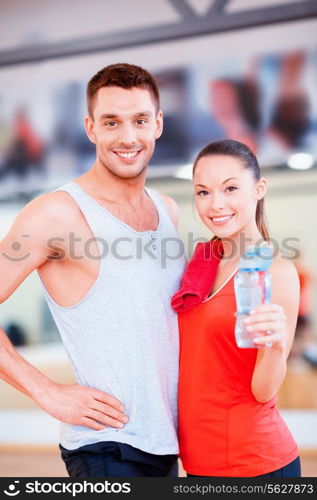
122	337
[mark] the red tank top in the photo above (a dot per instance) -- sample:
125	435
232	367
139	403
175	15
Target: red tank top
223	430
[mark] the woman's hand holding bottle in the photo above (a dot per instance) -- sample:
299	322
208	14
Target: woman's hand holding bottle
267	324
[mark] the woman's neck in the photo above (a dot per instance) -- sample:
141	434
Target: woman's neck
235	246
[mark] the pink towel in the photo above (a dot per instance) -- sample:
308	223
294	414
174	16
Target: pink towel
199	276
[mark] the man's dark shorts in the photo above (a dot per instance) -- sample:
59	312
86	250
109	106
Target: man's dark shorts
112	459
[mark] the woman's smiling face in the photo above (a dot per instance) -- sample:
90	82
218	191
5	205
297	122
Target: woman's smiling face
226	195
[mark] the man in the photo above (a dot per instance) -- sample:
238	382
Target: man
98	244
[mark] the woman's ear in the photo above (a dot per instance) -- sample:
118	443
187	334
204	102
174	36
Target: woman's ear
261	186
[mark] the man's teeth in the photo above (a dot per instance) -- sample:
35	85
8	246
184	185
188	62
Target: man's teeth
220	219
128	155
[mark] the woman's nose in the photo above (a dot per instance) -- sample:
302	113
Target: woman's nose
217	202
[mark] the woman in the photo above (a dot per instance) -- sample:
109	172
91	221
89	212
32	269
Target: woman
229	424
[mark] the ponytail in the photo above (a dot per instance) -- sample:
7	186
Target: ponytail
260	220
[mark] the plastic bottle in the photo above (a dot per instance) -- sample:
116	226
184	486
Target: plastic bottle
252	285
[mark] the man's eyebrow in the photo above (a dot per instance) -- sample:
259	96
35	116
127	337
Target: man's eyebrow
105	116
144	113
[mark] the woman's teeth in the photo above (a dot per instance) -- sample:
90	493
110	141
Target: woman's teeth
221	219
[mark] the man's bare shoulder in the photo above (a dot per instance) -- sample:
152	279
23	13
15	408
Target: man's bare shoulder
54	209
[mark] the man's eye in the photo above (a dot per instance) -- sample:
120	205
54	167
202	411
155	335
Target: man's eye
231	188
111	124
141	122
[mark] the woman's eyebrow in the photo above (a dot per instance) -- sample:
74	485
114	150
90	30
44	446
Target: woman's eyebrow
230	179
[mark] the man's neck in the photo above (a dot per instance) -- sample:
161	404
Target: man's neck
103	185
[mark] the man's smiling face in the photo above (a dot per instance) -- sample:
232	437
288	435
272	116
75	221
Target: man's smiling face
124	127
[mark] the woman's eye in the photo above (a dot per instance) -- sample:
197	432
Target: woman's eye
231	188
202	193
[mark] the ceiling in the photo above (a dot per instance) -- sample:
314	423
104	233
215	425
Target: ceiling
38	30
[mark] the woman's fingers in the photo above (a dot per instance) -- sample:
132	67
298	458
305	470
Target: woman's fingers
267	318
273	326
261	317
267	325
267	308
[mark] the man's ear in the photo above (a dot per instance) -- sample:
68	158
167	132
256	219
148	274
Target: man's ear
90	129
159	123
261	188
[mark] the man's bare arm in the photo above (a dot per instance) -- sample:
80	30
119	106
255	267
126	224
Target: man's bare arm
23	250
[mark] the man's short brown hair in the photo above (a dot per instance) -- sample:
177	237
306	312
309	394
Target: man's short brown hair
125	76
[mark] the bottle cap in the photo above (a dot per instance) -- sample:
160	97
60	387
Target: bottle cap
256	258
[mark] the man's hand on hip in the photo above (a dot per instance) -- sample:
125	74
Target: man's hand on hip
81	405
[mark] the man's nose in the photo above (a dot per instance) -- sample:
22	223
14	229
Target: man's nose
128	134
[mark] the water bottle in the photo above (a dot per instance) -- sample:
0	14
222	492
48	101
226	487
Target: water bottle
252	286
